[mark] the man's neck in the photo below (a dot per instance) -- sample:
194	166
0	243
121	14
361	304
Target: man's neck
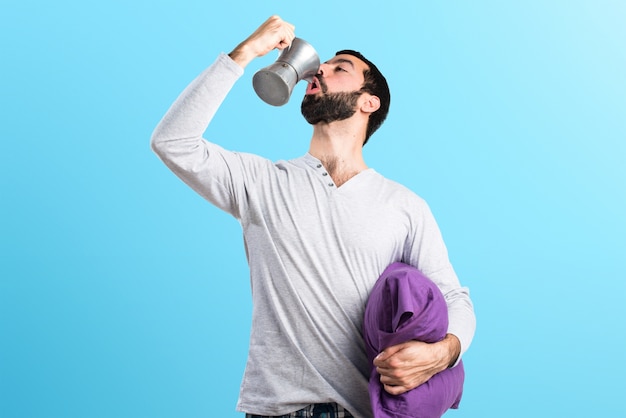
339	149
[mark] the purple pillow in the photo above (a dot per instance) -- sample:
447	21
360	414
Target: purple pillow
405	305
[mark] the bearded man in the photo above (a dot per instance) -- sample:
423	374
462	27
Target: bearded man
318	230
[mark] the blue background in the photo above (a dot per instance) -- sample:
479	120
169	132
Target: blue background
124	294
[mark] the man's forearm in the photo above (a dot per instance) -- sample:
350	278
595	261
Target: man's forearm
452	349
461	318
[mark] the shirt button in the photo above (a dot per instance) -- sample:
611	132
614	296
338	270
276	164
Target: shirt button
324	174
319	166
330	184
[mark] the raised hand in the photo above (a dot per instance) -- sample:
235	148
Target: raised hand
274	33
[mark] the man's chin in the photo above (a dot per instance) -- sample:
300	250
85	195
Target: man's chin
313	120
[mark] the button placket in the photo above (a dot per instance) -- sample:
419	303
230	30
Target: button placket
325	174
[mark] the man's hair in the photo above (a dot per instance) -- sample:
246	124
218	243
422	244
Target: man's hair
375	84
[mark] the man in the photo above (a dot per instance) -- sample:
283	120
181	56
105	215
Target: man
318	232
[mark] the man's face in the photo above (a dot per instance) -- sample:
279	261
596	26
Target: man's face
333	94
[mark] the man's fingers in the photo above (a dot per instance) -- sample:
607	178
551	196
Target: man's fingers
276	28
381	359
274	33
395	390
289	35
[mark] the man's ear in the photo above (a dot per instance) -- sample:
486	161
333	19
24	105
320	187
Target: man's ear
371	104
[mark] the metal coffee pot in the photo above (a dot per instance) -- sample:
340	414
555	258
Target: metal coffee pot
274	83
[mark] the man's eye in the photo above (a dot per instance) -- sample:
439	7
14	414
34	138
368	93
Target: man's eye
340	69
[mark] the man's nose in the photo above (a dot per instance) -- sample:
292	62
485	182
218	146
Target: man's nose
322	69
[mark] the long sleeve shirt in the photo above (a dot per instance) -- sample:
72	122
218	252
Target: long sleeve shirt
314	250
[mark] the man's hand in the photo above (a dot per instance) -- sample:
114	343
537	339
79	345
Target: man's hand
274	33
405	366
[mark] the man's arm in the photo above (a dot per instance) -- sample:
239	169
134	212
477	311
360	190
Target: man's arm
406	366
177	139
192	112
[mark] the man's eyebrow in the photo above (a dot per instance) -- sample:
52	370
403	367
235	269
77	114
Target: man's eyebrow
340	61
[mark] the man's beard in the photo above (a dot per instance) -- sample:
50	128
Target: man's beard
329	107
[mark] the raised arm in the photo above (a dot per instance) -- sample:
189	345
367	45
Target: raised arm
190	115
177	139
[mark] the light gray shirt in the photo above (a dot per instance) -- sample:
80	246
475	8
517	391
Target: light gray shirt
314	250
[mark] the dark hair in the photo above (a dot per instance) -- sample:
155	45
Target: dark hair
375	84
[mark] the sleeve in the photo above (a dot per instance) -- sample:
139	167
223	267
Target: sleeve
427	251
216	174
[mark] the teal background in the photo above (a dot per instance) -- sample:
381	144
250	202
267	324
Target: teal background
124	294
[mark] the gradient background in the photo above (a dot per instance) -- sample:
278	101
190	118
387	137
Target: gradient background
124	294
